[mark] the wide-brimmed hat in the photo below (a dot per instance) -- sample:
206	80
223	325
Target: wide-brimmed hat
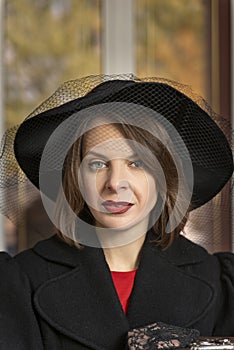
32	156
207	145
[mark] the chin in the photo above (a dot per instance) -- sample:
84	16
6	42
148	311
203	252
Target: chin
118	224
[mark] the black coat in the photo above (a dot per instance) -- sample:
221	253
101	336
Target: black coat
55	297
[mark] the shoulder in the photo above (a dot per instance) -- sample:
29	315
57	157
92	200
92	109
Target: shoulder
13	280
17	315
187	248
197	260
29	269
8	268
47	259
183	252
29	257
226	261
194	259
43	252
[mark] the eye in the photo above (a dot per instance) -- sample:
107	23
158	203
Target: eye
97	164
137	164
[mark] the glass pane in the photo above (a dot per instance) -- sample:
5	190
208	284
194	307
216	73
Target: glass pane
171	41
46	43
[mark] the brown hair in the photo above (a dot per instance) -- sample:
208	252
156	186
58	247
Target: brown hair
167	164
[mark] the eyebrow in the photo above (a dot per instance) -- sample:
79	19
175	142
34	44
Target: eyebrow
100	155
96	154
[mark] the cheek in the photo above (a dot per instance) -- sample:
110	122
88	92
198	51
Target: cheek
150	191
91	187
88	187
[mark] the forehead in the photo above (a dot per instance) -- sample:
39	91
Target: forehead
105	138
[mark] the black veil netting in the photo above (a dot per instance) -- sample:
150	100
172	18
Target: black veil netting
209	224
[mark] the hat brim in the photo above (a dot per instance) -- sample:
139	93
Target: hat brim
207	145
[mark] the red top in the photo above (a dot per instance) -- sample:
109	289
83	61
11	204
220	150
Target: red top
123	282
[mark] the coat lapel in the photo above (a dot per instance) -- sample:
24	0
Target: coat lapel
83	305
164	291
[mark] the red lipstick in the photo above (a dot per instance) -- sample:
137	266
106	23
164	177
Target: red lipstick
117	207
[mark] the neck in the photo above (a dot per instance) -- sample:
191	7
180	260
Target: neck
122	247
124	258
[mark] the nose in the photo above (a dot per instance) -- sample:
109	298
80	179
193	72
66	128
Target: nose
117	177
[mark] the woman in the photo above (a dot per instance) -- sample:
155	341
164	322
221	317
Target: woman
119	170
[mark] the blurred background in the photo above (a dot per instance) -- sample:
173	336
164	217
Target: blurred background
46	42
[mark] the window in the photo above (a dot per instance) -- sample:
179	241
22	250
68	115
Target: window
50	41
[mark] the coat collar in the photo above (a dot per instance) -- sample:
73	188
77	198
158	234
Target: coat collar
182	251
83	304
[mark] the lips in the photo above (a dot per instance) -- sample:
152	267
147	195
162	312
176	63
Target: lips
117	207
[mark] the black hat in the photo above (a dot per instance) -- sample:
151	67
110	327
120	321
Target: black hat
208	147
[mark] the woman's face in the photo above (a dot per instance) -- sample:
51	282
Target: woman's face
115	183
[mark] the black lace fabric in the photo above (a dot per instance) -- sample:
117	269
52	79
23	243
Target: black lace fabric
161	336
